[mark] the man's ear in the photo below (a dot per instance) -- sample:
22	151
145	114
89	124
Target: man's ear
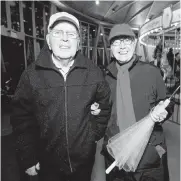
78	45
135	43
48	41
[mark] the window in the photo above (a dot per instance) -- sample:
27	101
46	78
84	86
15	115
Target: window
15	16
27	13
100	42
100	59
92	35
29	50
109	57
91	50
3	14
39	19
85	51
47	16
84	31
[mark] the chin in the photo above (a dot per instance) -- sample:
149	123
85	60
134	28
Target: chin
122	59
64	55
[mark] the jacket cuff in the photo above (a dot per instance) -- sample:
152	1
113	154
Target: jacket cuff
26	163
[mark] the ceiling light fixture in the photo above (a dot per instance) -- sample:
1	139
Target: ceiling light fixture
135	28
97	2
148	19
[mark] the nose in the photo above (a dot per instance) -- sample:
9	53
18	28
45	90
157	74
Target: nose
64	36
122	45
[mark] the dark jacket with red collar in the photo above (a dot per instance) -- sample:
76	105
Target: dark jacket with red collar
147	88
51	118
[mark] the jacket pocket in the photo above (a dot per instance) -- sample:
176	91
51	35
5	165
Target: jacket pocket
150	158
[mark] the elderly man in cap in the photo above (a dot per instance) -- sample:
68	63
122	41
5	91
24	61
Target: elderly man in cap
136	87
54	128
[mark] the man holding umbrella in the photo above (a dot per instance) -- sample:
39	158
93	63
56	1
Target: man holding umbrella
136	88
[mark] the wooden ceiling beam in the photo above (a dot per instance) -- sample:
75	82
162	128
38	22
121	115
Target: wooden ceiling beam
142	9
121	8
148	14
110	9
127	13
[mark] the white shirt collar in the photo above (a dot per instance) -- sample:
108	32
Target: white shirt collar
59	66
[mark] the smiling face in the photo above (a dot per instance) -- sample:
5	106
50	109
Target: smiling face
63	40
123	48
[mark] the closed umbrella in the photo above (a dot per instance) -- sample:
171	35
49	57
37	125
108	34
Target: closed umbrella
128	147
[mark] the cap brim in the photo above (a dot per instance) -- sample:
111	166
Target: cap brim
121	34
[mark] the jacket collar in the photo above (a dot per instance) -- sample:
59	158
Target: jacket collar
112	69
44	59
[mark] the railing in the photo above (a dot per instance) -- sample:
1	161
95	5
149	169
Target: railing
171	84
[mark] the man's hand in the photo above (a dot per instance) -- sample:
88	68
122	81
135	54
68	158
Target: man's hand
158	114
33	170
95	109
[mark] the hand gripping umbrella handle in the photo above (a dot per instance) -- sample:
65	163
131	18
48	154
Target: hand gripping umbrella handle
111	167
167	101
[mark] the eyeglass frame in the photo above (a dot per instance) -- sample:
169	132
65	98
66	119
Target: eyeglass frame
62	33
123	40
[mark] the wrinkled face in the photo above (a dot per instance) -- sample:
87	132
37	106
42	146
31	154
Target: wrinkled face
123	48
63	40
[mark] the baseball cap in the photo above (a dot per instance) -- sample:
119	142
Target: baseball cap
63	16
121	30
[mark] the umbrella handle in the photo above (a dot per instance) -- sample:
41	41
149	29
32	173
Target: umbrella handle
111	167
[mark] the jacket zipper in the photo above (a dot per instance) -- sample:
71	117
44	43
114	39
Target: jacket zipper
66	125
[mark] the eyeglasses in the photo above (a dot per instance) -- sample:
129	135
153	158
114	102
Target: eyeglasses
60	33
126	41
